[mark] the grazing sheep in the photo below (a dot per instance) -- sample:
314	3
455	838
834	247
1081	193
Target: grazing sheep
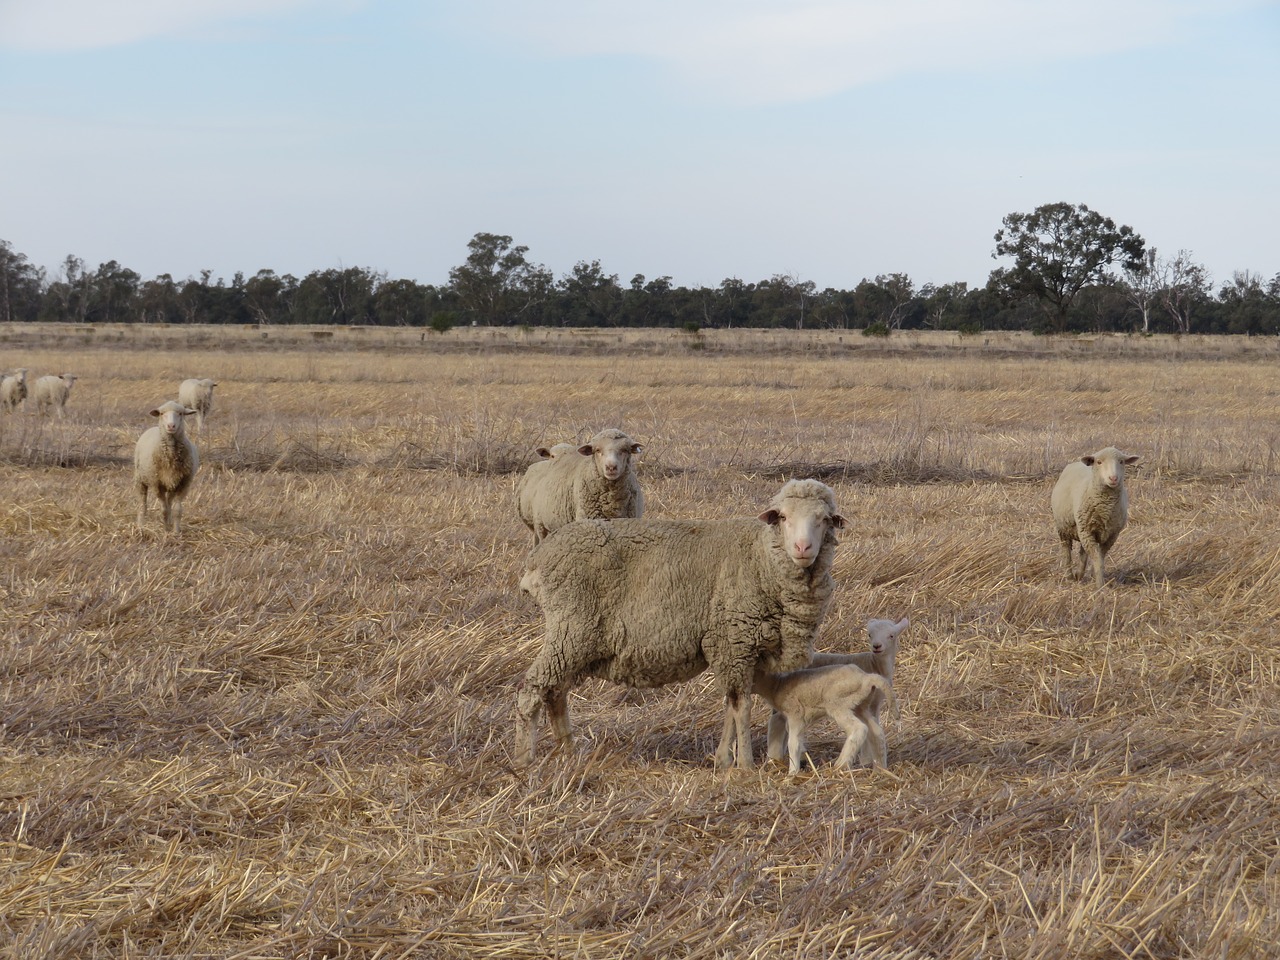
165	462
53	391
842	691
13	389
647	602
1091	506
598	485
880	659
198	395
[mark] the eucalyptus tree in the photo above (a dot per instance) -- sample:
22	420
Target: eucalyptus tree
497	284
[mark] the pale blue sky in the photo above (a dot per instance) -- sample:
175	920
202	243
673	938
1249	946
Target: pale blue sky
698	139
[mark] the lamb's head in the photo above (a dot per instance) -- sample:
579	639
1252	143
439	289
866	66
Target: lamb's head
804	513
1108	465
612	450
172	417
883	635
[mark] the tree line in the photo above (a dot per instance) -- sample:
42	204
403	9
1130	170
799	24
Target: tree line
1067	269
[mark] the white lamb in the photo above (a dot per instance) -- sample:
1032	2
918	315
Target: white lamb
13	389
600	484
52	391
843	692
647	602
198	395
880	659
165	462
1091	506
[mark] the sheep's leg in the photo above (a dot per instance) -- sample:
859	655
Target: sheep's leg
142	505
558	712
777	736
1095	555
1068	558
164	498
529	704
855	733
177	514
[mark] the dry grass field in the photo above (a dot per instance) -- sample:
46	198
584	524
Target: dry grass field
287	732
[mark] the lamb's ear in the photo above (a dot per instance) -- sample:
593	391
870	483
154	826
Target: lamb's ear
1132	459
1087	460
586	450
837	521
902	625
770	516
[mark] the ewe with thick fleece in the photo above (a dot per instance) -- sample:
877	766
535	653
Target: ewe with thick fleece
1091	506
165	462
52	391
198	395
841	691
600	484
13	389
651	602
880	659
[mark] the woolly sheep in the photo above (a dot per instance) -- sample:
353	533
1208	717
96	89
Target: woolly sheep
1091	506
598	485
879	659
841	691
13	389
198	395
647	602
165	462
53	391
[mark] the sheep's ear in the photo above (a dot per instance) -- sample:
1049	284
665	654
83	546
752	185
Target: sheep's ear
189	411
155	412
837	521
1087	460
637	447
543	452
770	516
1132	459
586	450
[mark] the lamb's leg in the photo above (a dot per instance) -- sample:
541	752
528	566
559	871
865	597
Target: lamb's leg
777	736
736	732
874	749
795	745
855	733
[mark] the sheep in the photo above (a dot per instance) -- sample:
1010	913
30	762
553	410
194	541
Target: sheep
52	391
13	389
880	659
556	450
598	485
1091	506
647	602
198	395
842	691
165	462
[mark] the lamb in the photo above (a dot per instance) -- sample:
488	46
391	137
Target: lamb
13	389
646	602
52	391
842	691
165	462
198	395
1091	506
880	659
600	484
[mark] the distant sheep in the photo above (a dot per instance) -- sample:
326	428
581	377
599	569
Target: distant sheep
198	395
1091	506
880	659
556	450
13	389
842	692
599	484
649	602
52	391
165	462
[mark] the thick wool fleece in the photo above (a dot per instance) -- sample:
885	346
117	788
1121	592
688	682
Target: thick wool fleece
570	487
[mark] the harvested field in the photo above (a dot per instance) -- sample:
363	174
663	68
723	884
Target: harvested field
287	732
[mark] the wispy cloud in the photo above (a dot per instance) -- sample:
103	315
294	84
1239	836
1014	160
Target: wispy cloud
61	25
760	51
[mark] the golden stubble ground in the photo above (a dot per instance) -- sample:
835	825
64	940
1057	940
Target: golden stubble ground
287	732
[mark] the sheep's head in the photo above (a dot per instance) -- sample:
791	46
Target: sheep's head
883	635
172	416
612	450
1108	465
804	511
